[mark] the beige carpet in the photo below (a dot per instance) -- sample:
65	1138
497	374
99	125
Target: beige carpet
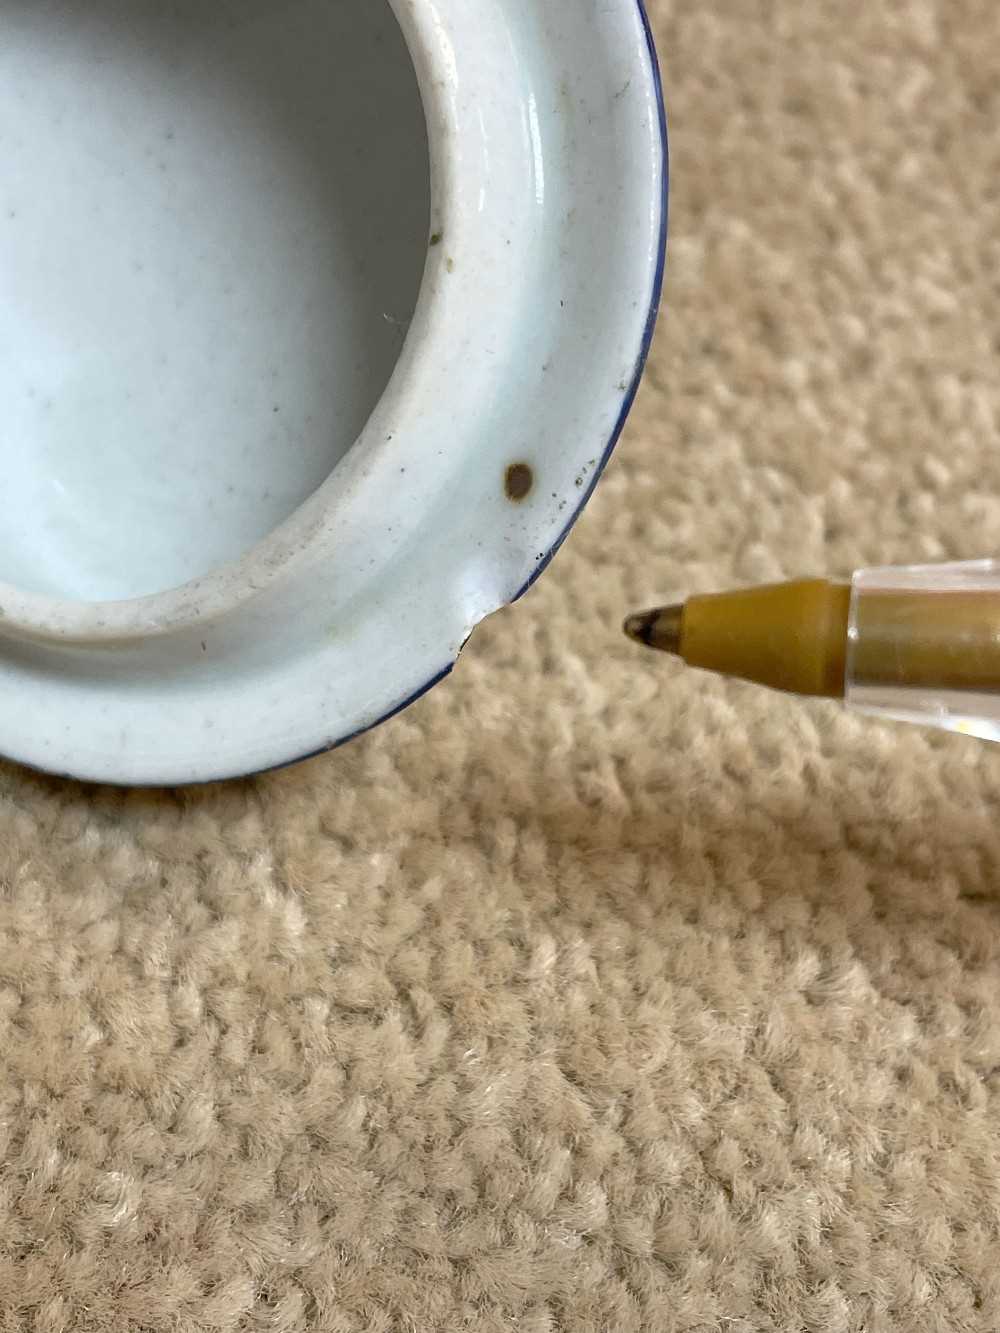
589	995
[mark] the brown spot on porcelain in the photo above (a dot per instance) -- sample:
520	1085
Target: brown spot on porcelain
518	482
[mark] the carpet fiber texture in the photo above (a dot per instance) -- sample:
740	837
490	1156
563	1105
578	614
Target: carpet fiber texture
589	994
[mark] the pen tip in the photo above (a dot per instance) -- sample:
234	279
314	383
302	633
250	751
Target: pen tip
639	628
657	629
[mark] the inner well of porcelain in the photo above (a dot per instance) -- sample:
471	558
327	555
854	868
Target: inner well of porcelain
213	227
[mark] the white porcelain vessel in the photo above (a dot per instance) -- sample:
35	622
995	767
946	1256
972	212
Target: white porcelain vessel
317	325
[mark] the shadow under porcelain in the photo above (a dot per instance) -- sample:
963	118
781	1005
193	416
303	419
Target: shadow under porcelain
213	230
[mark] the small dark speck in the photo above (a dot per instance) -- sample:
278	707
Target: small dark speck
12	215
402	470
204	646
436	238
562	305
518	481
277	408
579	481
622	386
450	264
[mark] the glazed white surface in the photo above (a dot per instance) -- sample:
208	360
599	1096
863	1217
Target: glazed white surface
547	170
209	254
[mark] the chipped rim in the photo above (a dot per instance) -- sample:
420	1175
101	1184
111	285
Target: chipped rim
628	401
658	199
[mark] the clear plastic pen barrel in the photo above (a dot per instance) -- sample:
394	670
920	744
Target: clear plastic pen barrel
924	645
